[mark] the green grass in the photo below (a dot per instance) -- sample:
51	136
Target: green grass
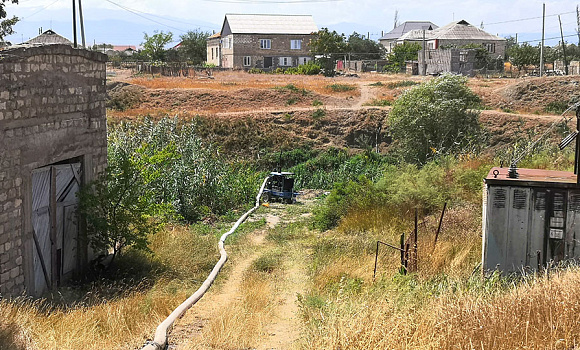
378	83
341	87
293	88
269	262
316	103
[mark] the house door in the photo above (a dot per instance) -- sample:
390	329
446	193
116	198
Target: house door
267	62
54	224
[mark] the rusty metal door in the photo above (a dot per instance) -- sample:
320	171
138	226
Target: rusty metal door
55	224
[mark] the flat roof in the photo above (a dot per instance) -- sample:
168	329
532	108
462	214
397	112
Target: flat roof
532	178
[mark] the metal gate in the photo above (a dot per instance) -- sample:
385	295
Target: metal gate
55	224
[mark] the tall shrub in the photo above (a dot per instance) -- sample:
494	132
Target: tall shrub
436	118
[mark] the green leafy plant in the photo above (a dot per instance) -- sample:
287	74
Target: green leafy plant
436	118
317	103
318	114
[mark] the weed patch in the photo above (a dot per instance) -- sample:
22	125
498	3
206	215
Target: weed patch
341	87
402	83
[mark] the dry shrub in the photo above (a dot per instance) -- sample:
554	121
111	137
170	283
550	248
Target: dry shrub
540	315
118	324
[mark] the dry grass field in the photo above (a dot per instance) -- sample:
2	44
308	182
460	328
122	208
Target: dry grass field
322	281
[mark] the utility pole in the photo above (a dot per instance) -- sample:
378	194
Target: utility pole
74	8
516	38
424	57
578	23
563	46
542	46
82	25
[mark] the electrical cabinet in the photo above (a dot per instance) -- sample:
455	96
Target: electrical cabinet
529	221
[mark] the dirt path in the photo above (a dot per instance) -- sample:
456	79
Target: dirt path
283	331
366	94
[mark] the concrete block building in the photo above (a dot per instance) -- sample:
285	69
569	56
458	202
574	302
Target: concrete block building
52	140
262	41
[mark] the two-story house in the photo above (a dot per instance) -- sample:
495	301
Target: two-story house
262	41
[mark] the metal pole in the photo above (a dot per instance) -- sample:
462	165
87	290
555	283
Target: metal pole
542	46
440	223
376	259
577	156
563	46
82	24
74	8
424	57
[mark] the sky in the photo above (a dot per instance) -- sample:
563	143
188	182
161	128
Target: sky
122	22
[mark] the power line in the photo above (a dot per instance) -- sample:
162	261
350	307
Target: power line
528	19
147	18
42	9
556	37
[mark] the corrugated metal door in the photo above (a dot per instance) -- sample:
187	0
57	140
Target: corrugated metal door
497	212
55	224
517	233
42	259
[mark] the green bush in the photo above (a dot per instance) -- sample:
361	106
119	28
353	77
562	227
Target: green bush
255	71
316	103
556	107
436	118
318	114
197	182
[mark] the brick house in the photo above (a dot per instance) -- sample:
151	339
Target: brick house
53	139
262	41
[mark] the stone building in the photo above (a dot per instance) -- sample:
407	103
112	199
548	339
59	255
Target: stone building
52	140
459	61
262	41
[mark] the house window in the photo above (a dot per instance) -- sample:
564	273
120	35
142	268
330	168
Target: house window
285	61
226	43
295	44
303	60
490	48
265	43
247	61
463	56
212	53
431	46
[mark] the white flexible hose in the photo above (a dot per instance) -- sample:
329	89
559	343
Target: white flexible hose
160	340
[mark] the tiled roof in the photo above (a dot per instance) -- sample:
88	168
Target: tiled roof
406	27
271	24
47	38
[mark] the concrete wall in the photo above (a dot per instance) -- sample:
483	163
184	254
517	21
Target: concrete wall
213	52
52	109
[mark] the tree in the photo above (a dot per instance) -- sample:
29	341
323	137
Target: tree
120	207
327	46
360	47
435	118
523	56
400	54
6	24
194	46
154	45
